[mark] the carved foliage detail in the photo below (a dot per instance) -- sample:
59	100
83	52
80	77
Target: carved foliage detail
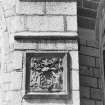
46	74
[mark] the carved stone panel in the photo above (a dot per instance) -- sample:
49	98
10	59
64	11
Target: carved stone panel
46	73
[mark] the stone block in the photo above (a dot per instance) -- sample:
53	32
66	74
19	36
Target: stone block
79	3
5	45
10	12
87	23
90	4
94	44
45	23
87	60
16	81
96	94
99	102
82	42
100	83
5	77
71	23
30	8
87	102
15	24
84	70
96	72
5	86
17	60
7	4
13	97
89	51
75	80
86	34
74	60
88	81
48	45
97	62
76	97
85	92
61	8
87	13
9	67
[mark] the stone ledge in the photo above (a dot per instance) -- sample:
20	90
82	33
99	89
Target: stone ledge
45	34
47	45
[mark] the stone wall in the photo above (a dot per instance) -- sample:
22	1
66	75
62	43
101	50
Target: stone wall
20	20
91	91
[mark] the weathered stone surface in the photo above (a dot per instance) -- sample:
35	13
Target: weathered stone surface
74	61
71	23
89	51
16	81
17	60
87	60
15	24
76	97
87	102
14	98
30	8
7	4
5	41
94	44
75	80
99	103
84	70
47	45
63	8
45	23
97	62
96	94
88	81
86	34
85	92
10	12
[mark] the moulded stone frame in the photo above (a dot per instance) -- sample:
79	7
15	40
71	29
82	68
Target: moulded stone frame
47	96
73	97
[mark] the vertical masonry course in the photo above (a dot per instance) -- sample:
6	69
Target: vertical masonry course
90	74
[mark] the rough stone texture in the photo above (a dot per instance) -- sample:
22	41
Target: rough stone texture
96	94
48	45
17	60
75	78
74	60
37	17
88	81
45	23
65	8
90	73
87	34
89	51
87	102
71	23
16	82
12	95
85	92
8	4
87	60
10	12
30	8
15	24
99	103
